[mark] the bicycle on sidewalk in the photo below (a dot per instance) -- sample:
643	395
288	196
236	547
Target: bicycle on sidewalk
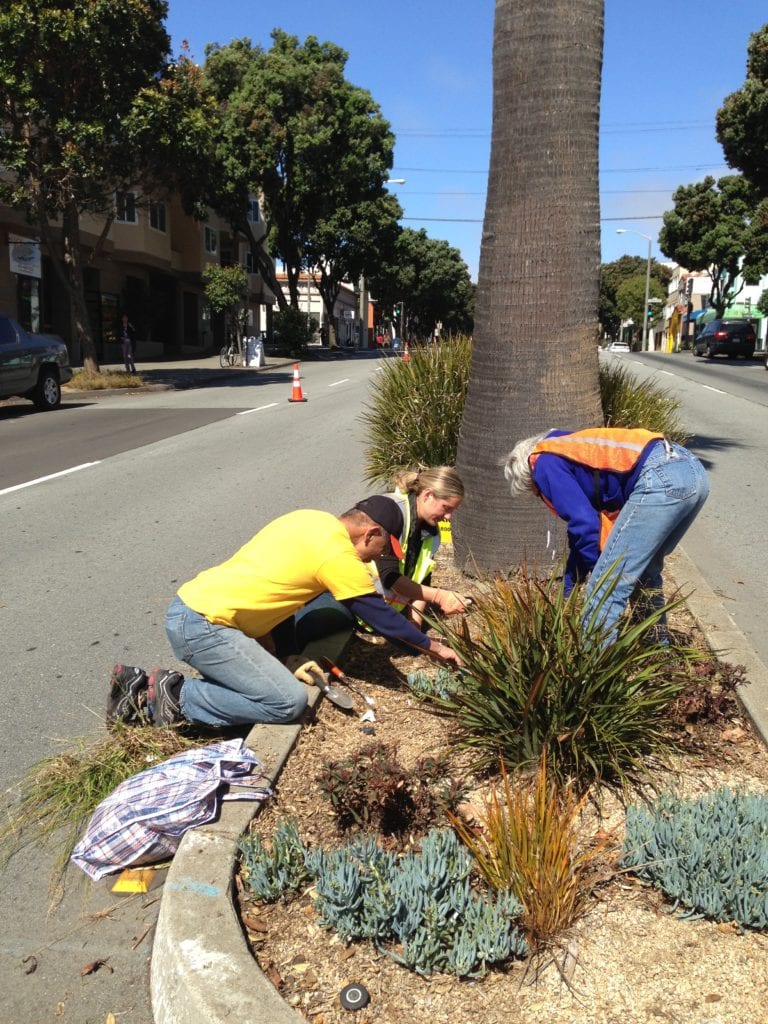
230	353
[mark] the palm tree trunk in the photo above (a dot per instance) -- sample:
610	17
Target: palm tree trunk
534	357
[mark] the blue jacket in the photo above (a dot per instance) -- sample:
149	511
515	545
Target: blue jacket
569	487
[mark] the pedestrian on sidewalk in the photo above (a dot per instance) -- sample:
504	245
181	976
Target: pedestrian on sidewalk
128	343
628	496
224	622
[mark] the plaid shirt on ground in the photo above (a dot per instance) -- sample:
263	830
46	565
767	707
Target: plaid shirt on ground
145	817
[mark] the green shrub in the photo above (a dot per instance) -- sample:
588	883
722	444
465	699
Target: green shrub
709	855
415	416
537	681
630	403
270	874
416	412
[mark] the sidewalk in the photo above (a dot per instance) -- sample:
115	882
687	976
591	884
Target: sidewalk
202	971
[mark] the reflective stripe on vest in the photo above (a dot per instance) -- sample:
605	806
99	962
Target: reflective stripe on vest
601	448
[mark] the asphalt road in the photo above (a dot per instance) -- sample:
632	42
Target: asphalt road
724	407
174	481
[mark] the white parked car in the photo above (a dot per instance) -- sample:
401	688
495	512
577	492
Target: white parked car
618	346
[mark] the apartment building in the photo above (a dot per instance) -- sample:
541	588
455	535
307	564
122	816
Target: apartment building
149	267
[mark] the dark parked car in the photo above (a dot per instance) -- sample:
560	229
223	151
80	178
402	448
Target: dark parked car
726	338
32	365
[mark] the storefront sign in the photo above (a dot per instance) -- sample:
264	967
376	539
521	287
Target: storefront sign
24	254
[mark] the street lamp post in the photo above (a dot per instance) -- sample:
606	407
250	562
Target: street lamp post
624	231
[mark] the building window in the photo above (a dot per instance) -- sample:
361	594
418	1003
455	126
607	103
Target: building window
157	216
250	263
253	213
125	207
211	240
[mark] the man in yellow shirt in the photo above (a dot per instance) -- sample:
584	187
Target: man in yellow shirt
221	622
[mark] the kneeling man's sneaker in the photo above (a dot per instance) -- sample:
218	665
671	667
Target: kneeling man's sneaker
127	698
164	696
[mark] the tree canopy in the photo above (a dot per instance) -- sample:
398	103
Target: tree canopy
612	276
432	280
89	108
315	147
630	300
742	121
718	226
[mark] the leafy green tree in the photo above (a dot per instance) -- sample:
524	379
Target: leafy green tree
630	300
432	281
534	355
314	146
742	121
612	276
717	226
86	96
226	289
762	302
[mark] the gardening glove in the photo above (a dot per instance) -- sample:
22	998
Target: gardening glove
450	603
305	671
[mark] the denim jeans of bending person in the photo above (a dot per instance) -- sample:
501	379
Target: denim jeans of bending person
241	681
669	492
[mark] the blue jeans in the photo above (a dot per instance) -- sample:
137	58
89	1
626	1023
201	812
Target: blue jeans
669	492
241	681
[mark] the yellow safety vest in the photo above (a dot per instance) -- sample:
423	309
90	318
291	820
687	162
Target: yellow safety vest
425	561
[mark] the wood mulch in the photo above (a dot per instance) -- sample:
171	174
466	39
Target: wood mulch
629	961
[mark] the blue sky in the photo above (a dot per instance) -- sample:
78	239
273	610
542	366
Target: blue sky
427	63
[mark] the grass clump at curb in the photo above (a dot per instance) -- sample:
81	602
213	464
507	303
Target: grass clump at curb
58	795
83	380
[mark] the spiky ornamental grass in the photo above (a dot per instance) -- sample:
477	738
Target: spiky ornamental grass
536	680
416	413
530	843
709	855
58	795
628	402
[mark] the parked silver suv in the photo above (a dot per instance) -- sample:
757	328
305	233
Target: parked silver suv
32	365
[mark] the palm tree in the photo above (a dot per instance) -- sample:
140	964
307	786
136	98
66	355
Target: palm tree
534	359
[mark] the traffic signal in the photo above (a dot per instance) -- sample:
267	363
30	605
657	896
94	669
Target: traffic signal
689	287
649	314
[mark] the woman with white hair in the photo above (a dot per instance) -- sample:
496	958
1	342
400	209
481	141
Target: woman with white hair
627	497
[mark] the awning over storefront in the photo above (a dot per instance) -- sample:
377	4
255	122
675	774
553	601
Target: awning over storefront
690	317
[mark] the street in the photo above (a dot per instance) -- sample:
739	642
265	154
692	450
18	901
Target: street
90	561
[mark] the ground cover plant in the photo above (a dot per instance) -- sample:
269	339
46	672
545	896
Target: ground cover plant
57	795
85	380
708	855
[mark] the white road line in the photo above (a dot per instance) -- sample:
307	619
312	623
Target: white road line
708	387
247	412
51	476
343	381
668	373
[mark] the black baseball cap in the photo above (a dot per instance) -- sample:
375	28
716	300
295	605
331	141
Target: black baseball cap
385	513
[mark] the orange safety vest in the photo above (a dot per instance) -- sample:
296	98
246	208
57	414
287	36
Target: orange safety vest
600	448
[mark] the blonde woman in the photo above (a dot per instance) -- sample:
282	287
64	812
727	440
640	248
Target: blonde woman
425	497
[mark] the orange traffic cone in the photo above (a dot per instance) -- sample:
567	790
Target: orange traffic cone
406	356
296	394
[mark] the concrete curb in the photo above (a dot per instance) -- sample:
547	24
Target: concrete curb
202	971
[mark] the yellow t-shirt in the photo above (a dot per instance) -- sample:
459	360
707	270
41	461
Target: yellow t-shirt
288	563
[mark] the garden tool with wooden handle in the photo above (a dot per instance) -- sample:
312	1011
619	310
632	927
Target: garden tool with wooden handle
311	673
